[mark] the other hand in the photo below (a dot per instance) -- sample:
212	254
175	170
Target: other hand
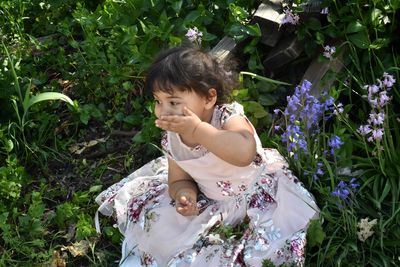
186	203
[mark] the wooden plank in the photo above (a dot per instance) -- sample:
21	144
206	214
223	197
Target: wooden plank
269	16
317	72
312	6
287	50
224	47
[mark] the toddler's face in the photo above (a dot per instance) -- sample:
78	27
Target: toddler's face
172	104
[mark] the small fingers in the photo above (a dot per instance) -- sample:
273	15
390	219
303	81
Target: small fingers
186	206
171	123
187	111
185	200
187	210
171	118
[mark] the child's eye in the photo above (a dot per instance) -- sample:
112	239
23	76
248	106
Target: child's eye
173	103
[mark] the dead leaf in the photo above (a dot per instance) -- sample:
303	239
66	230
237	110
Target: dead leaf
78	248
57	261
80	147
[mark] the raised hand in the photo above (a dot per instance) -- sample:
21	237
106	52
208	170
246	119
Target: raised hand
183	125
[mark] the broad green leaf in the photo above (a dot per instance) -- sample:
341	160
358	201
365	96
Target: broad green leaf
9	145
253	30
267	99
49	96
315	233
176	6
354	27
360	40
314	24
395	4
192	16
256	109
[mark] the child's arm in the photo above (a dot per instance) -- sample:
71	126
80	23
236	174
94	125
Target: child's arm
235	143
183	189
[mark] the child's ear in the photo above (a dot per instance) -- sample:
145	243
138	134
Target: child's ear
211	99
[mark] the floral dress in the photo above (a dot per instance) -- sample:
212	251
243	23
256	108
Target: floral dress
264	200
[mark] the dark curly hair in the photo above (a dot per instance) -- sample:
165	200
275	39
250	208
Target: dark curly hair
189	68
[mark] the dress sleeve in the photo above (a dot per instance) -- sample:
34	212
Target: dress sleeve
229	111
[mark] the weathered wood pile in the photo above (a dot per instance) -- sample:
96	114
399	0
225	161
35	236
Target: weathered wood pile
282	45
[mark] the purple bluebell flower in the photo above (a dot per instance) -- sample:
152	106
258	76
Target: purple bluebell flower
353	183
335	143
290	17
372	89
383	99
305	86
194	35
388	80
377	134
343	191
377	95
376	118
339	109
329	51
319	170
303	114
364	129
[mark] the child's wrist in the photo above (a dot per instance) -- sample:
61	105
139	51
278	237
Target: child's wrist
196	127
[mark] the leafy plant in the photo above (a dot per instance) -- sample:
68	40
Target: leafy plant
25	101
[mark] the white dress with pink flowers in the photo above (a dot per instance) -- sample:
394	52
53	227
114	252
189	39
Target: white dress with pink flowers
247	214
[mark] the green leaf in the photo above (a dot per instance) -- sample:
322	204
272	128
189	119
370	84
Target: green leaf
49	96
395	4
144	27
360	40
84	118
354	27
320	38
256	109
313	24
9	145
25	104
315	233
176	6
253	30
376	13
95	188
267	99
208	36
192	16
379	43
385	192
